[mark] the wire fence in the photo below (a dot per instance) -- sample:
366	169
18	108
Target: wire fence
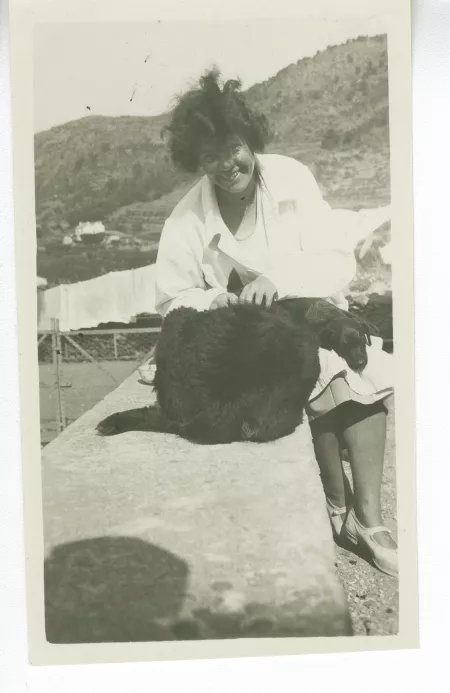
126	344
78	368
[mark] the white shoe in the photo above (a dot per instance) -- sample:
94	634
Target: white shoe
383	558
147	372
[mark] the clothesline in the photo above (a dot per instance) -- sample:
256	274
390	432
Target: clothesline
113	297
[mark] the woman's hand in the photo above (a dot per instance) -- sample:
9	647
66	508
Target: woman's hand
259	291
222	300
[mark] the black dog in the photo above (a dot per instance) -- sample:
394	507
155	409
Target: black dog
242	372
337	329
237	373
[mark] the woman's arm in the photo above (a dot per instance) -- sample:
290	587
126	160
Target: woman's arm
325	262
334	229
317	275
179	278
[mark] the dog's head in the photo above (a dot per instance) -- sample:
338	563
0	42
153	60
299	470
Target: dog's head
349	338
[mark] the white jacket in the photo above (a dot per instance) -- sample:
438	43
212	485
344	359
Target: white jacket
311	246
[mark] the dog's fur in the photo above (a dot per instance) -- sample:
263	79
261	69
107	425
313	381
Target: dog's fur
242	372
337	329
236	373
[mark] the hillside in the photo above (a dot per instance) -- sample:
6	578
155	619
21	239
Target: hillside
330	111
85	169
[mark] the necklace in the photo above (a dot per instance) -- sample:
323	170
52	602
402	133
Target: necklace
237	200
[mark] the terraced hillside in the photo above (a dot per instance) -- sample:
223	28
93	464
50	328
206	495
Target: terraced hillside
329	111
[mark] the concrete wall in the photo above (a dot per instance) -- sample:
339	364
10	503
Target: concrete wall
149	537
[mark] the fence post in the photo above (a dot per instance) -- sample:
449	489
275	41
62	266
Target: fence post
55	364
56	348
115	345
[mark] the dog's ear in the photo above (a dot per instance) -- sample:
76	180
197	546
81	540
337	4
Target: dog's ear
368	330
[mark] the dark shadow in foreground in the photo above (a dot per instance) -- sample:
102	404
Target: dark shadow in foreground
112	589
121	589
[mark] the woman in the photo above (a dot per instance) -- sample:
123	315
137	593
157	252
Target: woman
264	216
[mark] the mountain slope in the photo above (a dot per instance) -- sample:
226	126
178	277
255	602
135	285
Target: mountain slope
331	111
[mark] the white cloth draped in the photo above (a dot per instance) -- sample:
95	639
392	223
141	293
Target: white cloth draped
113	297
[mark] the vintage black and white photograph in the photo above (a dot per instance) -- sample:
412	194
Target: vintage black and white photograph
215	337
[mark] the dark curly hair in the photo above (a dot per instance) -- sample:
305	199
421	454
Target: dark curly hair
209	111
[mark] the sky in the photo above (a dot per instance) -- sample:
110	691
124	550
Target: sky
115	69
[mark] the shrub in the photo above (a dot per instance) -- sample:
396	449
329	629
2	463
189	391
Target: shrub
347	138
364	87
370	69
331	139
78	164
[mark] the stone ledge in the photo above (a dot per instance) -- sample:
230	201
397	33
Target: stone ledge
149	537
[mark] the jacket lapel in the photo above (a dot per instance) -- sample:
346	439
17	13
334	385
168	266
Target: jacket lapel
216	228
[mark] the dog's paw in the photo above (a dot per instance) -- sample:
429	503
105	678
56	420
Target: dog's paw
109	426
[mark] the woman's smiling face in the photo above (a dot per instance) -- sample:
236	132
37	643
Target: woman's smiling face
230	165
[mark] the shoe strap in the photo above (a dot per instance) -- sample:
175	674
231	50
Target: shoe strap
333	510
337	511
370	530
373	530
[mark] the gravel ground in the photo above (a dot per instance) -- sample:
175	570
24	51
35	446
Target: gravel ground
373	596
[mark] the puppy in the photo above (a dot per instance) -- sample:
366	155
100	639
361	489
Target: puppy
237	373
